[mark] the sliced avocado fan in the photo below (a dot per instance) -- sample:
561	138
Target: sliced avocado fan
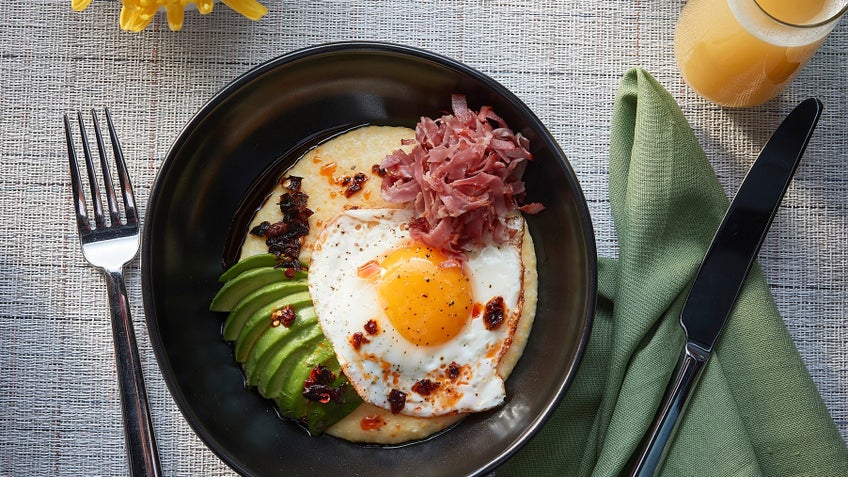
272	323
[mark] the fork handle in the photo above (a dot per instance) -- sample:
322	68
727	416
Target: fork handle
138	429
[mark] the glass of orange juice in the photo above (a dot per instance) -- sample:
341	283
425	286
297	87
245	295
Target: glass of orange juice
741	53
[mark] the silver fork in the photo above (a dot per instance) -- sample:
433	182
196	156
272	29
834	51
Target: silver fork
109	246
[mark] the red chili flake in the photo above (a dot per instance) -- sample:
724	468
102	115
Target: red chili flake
453	370
397	400
318	393
425	387
354	184
371	327
370	423
285	238
261	230
318	386
289	272
376	169
291	183
494	316
357	340
276	229
320	375
284	316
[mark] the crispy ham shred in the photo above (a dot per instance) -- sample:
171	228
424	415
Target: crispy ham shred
463	177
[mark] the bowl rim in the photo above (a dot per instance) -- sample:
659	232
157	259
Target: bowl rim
363	47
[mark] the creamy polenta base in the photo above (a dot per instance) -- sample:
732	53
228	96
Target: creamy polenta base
324	170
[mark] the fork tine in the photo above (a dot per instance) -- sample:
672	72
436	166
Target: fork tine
76	182
126	185
92	176
112	202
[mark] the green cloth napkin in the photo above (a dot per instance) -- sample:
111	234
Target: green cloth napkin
756	411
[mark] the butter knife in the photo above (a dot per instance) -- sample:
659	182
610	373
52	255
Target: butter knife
723	272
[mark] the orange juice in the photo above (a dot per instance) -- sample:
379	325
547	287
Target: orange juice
741	53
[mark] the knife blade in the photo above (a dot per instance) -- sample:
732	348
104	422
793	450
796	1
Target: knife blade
722	274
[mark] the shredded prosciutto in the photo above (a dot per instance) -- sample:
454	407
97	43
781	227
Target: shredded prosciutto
463	177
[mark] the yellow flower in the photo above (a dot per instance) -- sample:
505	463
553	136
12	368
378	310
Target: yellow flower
137	14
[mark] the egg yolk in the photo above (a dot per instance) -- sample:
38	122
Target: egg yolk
427	301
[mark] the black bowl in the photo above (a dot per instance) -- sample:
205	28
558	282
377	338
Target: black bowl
244	130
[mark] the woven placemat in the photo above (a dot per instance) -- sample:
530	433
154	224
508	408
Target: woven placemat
59	411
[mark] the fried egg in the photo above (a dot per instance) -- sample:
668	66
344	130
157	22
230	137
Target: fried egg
416	332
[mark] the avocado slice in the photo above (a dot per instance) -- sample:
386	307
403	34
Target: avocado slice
315	415
239	287
292	354
278	359
254	261
320	416
275	380
290	385
261	321
274	341
251	303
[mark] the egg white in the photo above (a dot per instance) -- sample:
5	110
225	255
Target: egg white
344	302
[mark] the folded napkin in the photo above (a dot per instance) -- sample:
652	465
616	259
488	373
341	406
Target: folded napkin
756	411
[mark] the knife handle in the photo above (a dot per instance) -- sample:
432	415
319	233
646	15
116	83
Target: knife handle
650	455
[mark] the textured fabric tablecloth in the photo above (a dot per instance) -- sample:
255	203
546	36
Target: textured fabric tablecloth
59	409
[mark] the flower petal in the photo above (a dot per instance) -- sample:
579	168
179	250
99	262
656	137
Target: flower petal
135	17
249	8
204	6
79	5
176	13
